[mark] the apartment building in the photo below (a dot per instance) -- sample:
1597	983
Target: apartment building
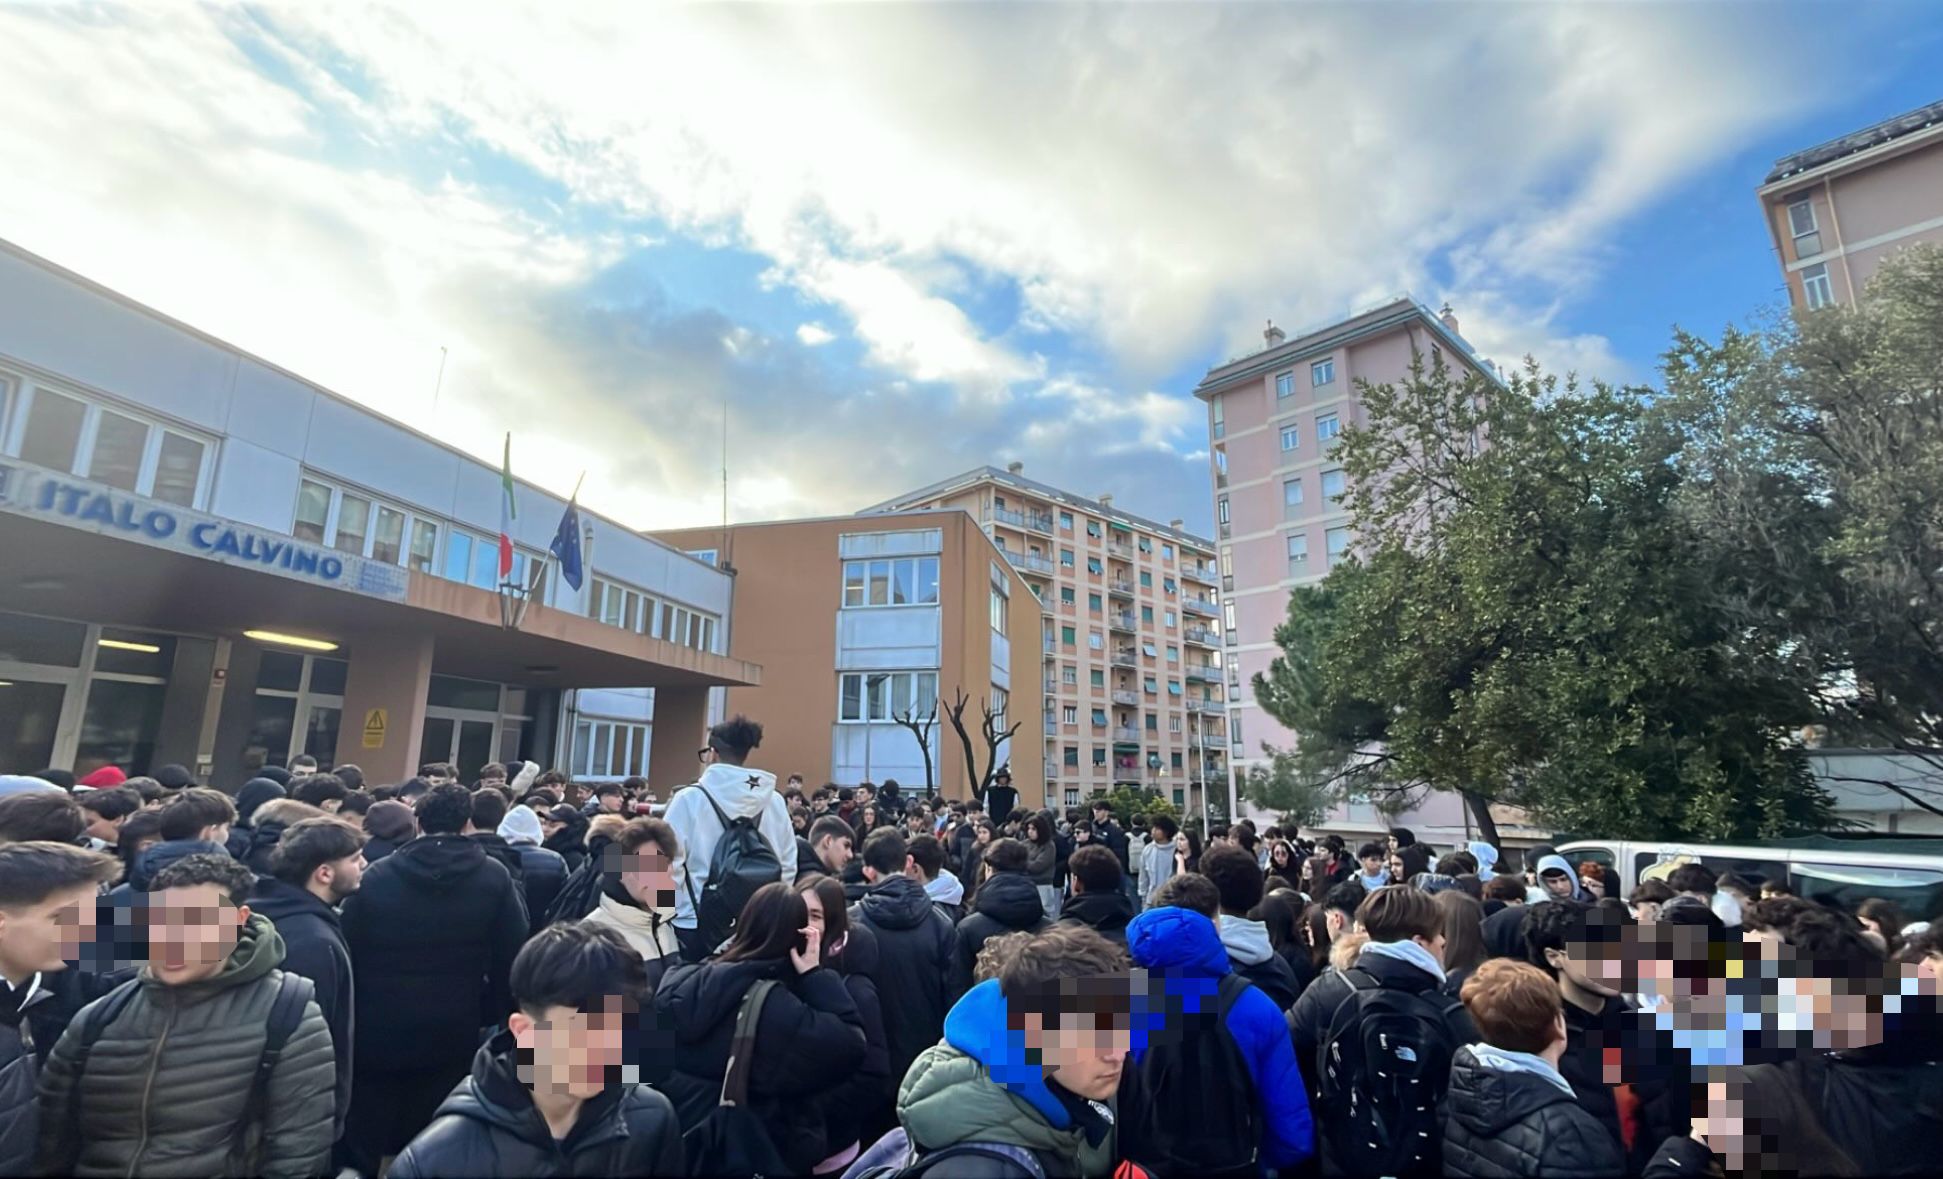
1273	416
1130	685
1837	209
862	620
220	564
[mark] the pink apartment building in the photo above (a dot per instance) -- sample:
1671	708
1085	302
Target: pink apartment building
1838	209
1279	523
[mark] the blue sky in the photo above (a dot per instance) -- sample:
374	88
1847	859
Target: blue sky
899	241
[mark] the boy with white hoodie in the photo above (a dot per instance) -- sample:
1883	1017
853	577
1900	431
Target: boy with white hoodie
737	791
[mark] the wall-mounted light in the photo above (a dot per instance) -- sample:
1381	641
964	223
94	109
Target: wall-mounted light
125	645
284	640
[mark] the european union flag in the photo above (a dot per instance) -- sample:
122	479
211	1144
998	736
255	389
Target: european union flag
566	544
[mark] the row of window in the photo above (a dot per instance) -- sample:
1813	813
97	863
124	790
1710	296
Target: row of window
1328	426
640	612
1069	758
1333	487
886	695
1321	372
63	431
1096	529
1335	540
609	749
364	526
895	581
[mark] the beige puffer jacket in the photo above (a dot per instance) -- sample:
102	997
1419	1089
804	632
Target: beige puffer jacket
166	1081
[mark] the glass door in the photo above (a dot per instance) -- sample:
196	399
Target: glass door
30	720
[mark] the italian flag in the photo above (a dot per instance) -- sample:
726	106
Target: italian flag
506	512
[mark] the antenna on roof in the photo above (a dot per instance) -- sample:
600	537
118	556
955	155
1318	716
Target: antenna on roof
439	384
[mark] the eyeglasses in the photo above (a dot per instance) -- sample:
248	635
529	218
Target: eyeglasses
702	754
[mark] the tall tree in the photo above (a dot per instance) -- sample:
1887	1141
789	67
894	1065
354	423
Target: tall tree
1527	620
921	725
991	736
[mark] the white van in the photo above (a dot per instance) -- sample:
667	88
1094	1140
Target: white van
1845	871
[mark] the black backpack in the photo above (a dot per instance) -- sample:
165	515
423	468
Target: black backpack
1386	1063
294	992
578	896
742	862
1199	1112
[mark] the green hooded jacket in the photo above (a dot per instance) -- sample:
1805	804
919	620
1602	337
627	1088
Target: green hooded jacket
166	1082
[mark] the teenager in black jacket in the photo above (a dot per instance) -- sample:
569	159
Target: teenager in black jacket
809	1038
530	1108
856	1112
915	943
432	932
1006	902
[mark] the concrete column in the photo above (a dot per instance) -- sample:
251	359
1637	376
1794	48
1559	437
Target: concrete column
390	672
680	728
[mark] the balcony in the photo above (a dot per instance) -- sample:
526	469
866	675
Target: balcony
1124	697
1198	573
1207	707
1203	674
1200	636
1200	606
1051	645
1118	551
1052	727
1052	769
1032	520
1052	684
1124	658
1030	562
1126	735
1121	620
1120	587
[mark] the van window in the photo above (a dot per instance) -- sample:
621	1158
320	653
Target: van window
1918	891
1753	871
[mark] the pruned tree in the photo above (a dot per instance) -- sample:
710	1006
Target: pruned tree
921	727
989	735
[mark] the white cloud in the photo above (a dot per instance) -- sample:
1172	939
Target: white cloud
1150	179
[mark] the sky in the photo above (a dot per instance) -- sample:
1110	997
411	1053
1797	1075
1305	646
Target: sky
893	242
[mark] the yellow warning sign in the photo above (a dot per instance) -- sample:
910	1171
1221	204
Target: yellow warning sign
374	728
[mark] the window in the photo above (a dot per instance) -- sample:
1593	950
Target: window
885	695
1148	650
1180	799
1177	762
1099	718
609	749
1332	485
1298	552
1146	580
1234	728
1218	419
1291	438
1144	545
354	523
1147	615
1173	687
998	612
1173	654
1096	640
619	605
1150	685
1801	223
1066	523
1093	528
1070	756
1166	551
69	434
1816	288
1094	566
1168	586
1093	603
1291	493
1168	618
1099	757
1336	540
1069	675
1066	558
1327	427
1221	509
1174	726
1066	594
1097	678
1228	617
1284	384
1071	795
895	581
1066	635
1322	372
1152	723
1070	714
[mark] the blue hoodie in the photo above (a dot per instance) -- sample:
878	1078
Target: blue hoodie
1184	949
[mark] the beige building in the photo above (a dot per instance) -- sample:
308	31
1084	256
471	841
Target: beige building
868	618
1131	686
1838	209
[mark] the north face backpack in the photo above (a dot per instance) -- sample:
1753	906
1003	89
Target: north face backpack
1199	1113
1386	1062
742	862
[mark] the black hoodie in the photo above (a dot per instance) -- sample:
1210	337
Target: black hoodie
1005	903
915	943
313	946
489	1126
432	934
809	1040
1105	912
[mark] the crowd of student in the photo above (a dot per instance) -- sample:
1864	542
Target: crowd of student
521	977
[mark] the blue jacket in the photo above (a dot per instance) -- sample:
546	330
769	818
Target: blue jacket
1184	950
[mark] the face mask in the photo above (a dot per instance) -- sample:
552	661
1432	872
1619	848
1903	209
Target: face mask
1727	908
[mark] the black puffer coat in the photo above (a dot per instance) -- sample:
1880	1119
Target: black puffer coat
810	1040
859	1110
915	944
541	874
489	1126
1006	903
432	933
19	1116
1878	1103
1505	1125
